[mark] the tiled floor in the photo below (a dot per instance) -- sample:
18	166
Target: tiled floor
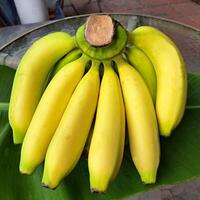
185	11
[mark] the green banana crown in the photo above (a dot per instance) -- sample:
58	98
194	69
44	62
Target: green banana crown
106	52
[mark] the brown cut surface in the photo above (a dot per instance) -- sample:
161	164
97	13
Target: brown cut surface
99	30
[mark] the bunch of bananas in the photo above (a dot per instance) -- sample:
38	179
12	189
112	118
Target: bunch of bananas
69	93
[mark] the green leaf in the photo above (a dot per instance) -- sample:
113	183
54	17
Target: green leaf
179	158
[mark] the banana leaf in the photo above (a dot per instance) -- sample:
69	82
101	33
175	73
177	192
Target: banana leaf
180	159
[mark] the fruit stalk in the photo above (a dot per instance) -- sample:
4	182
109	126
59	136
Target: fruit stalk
70	57
103	46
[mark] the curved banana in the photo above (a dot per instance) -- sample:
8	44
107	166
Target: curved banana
107	144
70	57
122	140
141	62
31	76
49	113
141	120
171	75
70	137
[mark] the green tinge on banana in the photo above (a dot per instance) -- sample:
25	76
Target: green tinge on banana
141	120
49	113
141	62
68	142
70	57
171	75
31	76
107	144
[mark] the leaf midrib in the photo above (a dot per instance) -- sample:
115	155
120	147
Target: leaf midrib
5	105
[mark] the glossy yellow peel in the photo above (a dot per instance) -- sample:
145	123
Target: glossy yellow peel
30	78
107	144
70	137
141	121
171	75
49	113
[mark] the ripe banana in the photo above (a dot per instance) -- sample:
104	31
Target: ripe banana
171	75
49	113
141	62
107	144
70	137
122	140
71	56
30	78
141	120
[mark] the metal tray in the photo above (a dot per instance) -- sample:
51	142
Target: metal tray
186	37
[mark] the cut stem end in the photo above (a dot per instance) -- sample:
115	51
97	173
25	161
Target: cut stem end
99	30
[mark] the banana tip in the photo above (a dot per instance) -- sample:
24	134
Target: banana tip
148	182
149	178
166	135
47	186
24	173
18	137
17	140
96	191
165	131
25	169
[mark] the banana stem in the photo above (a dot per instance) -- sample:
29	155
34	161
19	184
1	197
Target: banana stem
101	37
107	64
130	38
74	40
119	60
95	63
85	57
4	106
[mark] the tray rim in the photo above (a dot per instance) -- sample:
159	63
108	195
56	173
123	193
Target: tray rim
86	15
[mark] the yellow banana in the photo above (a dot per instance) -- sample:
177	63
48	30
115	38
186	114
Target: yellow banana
70	137
71	56
30	78
144	66
48	114
171	75
141	120
122	140
107	144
